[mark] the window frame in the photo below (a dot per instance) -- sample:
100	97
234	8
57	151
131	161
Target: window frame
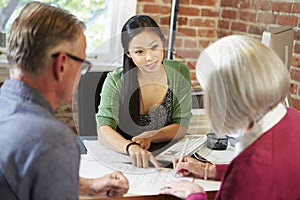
108	55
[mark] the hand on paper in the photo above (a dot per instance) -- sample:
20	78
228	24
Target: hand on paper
113	185
192	167
181	188
141	157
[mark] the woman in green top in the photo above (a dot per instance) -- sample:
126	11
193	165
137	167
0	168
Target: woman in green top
148	100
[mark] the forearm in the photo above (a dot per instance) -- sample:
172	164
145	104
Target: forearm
112	139
168	133
85	187
211	172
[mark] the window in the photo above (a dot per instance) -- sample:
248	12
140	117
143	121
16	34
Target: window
103	18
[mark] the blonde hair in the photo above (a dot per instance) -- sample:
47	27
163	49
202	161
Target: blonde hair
37	29
243	80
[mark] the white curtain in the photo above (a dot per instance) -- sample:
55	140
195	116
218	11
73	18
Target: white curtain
110	53
119	11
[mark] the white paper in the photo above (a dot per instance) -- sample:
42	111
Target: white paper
91	168
208	185
149	181
104	154
217	157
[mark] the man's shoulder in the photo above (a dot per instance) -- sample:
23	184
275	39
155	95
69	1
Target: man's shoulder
37	130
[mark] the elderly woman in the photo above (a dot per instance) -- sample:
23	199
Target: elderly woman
246	85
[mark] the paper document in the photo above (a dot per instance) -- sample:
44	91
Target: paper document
100	161
104	154
147	181
208	185
142	181
217	157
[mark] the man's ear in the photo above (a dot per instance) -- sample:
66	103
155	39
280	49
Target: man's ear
58	67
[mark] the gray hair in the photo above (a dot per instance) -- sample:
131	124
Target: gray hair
243	80
37	29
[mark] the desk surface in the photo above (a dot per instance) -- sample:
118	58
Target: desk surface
210	194
148	197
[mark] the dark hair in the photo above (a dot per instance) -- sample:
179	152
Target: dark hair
130	102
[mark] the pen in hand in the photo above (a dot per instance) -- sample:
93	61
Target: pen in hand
182	154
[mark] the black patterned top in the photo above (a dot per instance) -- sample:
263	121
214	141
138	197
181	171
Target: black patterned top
158	117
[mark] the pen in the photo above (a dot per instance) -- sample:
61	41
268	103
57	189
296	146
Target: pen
201	159
183	151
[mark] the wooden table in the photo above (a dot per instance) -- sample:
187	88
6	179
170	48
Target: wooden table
210	195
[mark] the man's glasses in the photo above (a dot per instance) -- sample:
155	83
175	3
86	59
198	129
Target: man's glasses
85	65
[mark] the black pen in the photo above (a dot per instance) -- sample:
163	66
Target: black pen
201	159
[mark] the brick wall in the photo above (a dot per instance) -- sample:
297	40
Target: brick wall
253	17
201	22
196	27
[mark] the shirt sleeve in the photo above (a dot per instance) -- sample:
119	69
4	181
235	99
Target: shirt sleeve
220	169
197	196
108	113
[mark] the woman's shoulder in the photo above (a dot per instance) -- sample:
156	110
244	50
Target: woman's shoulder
116	74
175	64
175	67
117	71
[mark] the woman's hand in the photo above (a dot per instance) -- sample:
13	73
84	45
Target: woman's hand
143	142
192	167
181	189
144	139
141	157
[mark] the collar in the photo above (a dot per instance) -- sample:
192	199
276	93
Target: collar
269	120
21	91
